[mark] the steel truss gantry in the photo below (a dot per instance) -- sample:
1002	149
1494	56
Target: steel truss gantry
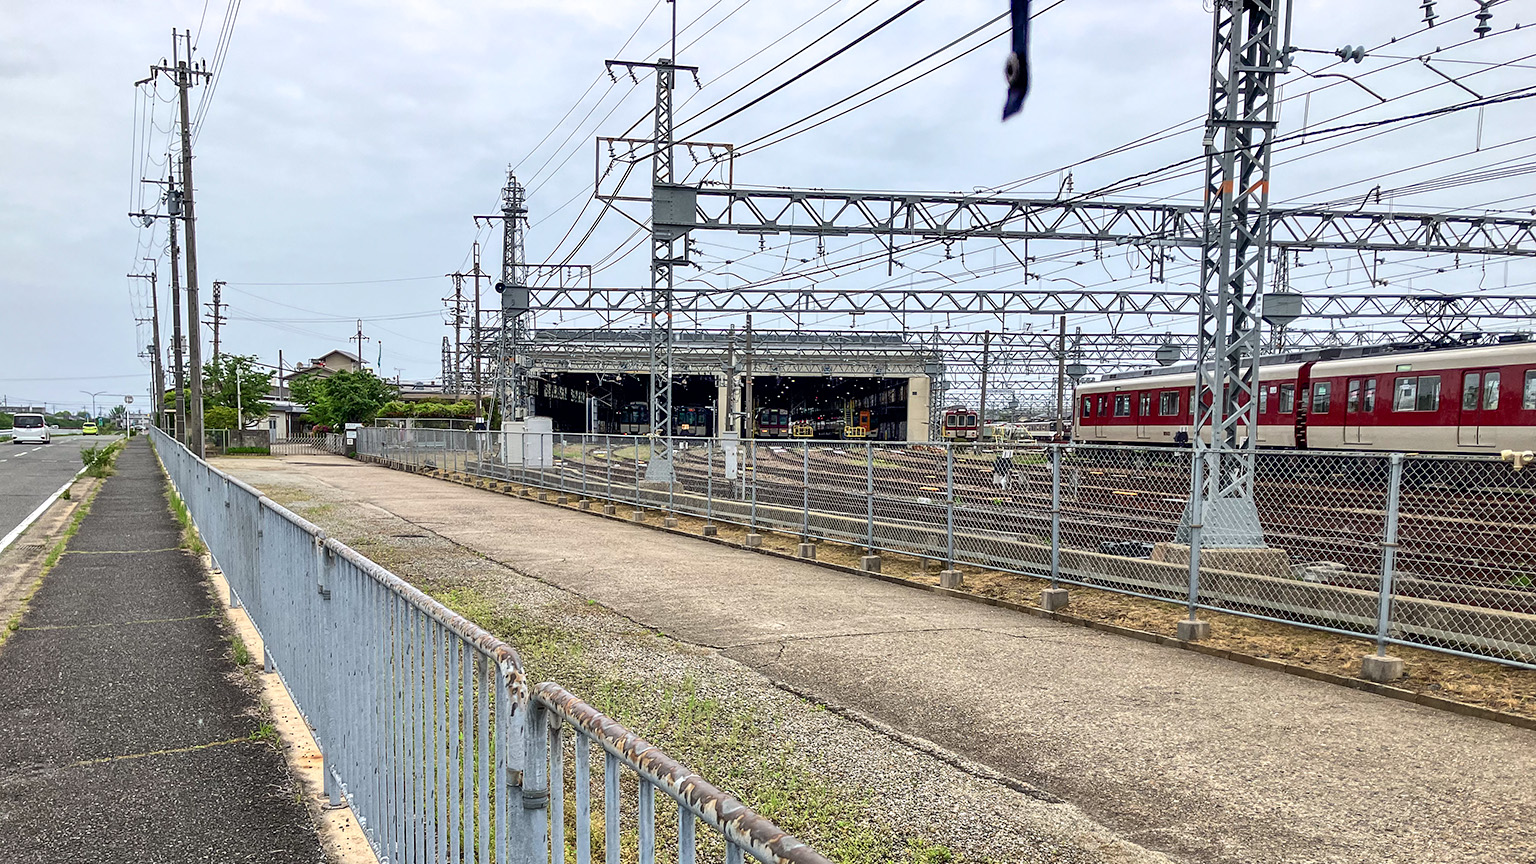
1234	229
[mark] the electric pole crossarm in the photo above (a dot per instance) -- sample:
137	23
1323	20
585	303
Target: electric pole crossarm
680	209
690	298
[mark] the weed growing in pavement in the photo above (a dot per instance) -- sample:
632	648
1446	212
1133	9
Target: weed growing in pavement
99	460
237	649
267	733
51	559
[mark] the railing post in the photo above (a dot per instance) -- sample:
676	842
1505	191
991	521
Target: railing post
1192	629
709	485
608	458
753	538
805	491
1389	554
584	451
869	490
949	511
1055	516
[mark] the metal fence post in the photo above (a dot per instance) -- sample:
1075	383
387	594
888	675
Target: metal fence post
805	491
869	489
949	515
1191	628
753	455
608	458
584	466
1055	516
1388	554
709	482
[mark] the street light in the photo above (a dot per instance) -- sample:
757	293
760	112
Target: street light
93	400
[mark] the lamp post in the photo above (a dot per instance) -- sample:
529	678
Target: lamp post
93	401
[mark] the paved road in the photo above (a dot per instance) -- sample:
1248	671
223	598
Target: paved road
29	473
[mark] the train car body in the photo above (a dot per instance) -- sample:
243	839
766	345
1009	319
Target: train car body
693	421
1453	400
771	423
635	419
961	425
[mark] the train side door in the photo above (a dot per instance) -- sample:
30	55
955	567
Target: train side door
1143	416
1359	408
1479	401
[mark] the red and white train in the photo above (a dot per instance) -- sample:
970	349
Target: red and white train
1448	400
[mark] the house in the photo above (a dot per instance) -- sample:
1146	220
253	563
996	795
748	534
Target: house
284	418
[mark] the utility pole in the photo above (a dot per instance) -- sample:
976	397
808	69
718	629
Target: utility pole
986	361
474	334
1061	371
156	371
669	249
216	316
748	406
177	340
362	363
1248	52
183	72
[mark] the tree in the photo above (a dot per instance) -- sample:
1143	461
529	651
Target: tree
345	397
220	389
219	417
118	417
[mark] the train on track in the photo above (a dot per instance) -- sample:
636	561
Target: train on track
1475	400
688	421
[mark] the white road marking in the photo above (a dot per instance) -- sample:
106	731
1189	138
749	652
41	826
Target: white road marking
26	523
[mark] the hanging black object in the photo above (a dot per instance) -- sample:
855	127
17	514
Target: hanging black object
1017	69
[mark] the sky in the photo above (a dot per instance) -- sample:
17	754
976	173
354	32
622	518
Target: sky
346	146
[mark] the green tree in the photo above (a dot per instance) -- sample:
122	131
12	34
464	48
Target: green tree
345	397
118	417
219	417
220	388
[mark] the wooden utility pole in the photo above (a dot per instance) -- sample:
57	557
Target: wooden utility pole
177	343
184	74
156	371
216	315
359	339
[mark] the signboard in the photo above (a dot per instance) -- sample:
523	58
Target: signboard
128	400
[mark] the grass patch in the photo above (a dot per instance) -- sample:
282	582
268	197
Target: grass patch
189	539
238	651
267	733
731	744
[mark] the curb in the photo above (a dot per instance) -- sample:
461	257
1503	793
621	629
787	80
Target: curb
1436	702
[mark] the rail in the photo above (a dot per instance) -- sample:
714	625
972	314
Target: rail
1431	552
428	726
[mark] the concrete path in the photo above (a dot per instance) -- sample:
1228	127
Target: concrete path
125	734
1206	760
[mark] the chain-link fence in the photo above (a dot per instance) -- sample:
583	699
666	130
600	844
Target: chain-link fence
1435	552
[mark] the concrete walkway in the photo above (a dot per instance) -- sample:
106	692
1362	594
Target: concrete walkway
125	734
1206	760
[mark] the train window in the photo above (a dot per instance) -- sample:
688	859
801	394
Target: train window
1417	394
1103	406
1123	405
1529	402
1146	405
1322	397
1352	400
1088	404
1369	403
1469	388
1490	391
1168	403
1264	400
1287	398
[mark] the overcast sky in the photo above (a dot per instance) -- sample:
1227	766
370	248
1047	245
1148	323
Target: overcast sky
352	142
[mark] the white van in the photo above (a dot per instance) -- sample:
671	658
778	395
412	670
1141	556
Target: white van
30	429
